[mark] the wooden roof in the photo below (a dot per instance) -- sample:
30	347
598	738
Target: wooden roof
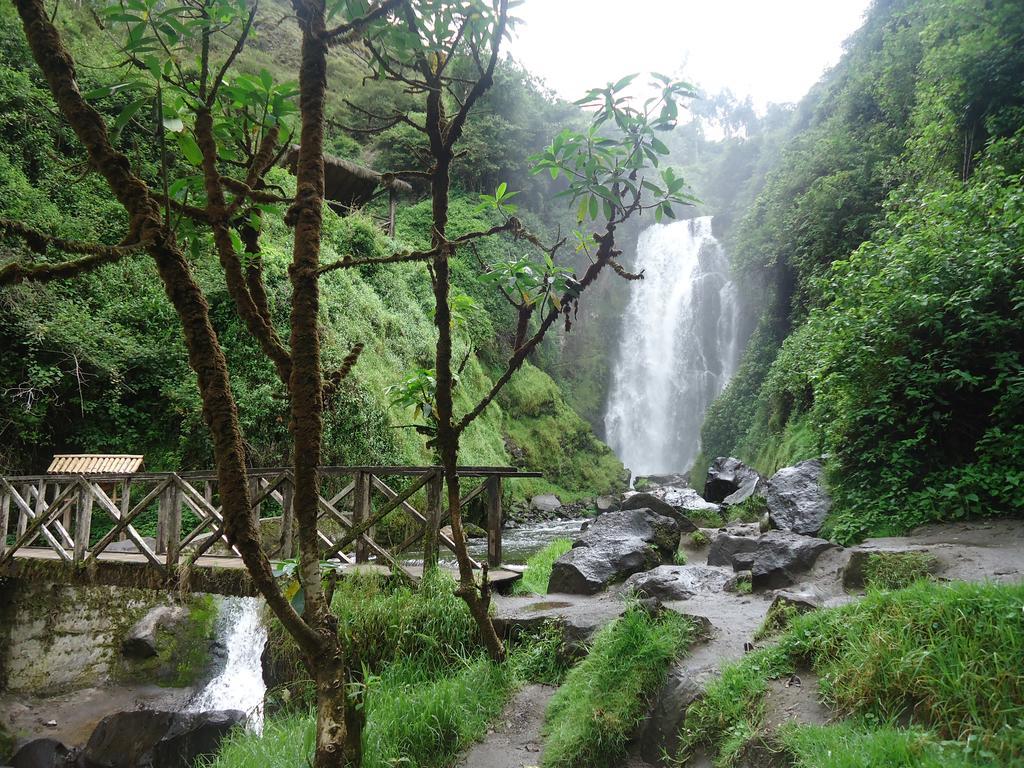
349	184
100	463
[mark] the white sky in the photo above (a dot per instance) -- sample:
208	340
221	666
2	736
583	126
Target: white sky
772	50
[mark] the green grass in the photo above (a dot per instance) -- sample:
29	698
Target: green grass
946	658
383	621
604	698
538	568
747	511
679	558
897	570
779	617
699	539
413	718
852	745
430	690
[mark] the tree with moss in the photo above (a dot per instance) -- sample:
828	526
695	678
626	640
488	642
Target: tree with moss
217	133
447	55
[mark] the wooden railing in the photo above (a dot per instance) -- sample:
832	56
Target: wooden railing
54	515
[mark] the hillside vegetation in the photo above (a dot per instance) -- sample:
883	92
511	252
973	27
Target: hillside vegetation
98	365
888	230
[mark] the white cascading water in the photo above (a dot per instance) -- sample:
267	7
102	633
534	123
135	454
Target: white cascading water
239	685
678	348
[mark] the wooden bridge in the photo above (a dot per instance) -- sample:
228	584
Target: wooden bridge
85	527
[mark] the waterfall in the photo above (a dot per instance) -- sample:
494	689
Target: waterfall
677	349
239	685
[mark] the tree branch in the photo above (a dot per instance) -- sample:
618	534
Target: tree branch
96	255
239	45
481	85
605	253
234	276
346	32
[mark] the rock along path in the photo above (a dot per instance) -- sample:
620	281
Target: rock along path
979	550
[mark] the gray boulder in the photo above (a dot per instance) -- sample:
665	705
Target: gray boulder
546	502
614	547
153	739
658	481
677	582
41	753
797	499
774	559
143	641
606	504
652	502
730	479
689	500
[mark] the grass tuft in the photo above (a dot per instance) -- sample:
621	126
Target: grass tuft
854	745
605	697
945	658
897	570
749	510
538	568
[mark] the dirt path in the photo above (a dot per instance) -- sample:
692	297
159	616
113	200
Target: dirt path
515	740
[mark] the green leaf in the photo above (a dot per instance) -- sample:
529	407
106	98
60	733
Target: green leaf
127	113
174	124
236	241
189	148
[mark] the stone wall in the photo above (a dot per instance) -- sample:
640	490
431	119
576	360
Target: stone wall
56	638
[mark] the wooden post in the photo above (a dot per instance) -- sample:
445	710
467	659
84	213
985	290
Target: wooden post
5	516
494	521
163	507
172	526
126	504
287	521
433	522
392	209
361	511
66	514
208	492
26	494
83	529
254	491
40	507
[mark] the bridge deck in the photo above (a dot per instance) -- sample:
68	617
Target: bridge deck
213	574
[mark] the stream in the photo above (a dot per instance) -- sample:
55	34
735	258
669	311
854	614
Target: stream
517	544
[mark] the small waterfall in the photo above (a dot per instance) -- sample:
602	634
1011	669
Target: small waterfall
239	685
678	347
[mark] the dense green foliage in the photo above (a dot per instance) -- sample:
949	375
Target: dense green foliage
945	659
429	690
98	365
605	697
889	230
